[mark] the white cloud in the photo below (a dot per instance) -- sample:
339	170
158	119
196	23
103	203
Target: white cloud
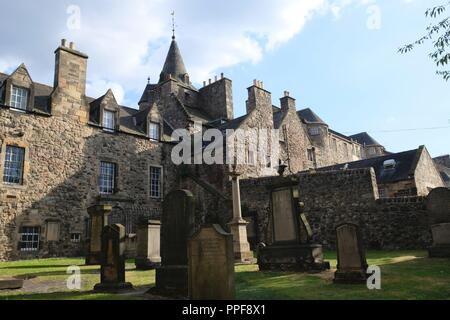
128	41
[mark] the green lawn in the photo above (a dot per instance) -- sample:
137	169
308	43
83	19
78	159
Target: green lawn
405	275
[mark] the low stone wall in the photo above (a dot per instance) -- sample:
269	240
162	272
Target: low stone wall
335	197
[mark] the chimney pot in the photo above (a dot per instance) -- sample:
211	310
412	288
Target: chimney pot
72	45
286	94
63	42
215	78
209	80
204	83
221	75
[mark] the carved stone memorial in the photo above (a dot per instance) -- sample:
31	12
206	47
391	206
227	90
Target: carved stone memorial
211	264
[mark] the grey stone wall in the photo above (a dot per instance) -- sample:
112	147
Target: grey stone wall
345	196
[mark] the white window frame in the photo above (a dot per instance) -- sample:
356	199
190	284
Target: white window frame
160	184
19	98
78	239
13	163
106	185
108	125
151	130
311	153
314	131
31	238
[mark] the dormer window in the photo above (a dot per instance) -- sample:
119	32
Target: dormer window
109	123
389	164
314	131
19	98
153	131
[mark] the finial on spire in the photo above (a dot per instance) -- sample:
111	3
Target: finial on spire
173	25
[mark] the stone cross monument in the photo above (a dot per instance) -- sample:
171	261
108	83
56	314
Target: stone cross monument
238	225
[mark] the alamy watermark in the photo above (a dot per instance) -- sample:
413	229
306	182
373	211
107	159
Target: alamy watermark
212	146
374	280
74	280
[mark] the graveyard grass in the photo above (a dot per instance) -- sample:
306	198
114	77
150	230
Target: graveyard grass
405	275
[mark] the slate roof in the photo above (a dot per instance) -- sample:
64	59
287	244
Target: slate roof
365	139
406	163
233	124
308	116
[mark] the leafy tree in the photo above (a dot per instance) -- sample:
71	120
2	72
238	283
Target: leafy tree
439	34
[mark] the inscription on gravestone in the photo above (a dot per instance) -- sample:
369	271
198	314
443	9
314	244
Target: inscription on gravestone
211	264
283	218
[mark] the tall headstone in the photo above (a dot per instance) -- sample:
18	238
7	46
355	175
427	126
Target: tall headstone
113	260
238	225
177	226
438	207
148	245
291	248
352	264
211	264
98	219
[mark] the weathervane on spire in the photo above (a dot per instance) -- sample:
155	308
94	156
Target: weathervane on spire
173	25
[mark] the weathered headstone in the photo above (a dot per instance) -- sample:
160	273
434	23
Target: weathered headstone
438	207
148	245
291	248
211	264
352	264
98	219
10	284
113	260
441	241
177	226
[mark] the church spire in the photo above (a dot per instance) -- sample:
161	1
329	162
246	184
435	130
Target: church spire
174	66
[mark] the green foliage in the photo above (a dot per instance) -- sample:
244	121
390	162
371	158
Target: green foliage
439	35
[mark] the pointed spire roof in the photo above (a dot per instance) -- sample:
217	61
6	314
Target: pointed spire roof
174	65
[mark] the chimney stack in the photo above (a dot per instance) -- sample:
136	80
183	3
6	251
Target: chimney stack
287	102
258	97
70	73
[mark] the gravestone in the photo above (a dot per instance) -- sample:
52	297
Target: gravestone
211	264
148	245
98	219
291	248
352	264
10	284
177	226
113	260
438	207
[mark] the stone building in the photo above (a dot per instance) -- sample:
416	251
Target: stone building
405	174
62	151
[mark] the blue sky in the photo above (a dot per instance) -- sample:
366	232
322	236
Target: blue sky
322	51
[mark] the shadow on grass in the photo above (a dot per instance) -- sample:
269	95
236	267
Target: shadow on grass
137	293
